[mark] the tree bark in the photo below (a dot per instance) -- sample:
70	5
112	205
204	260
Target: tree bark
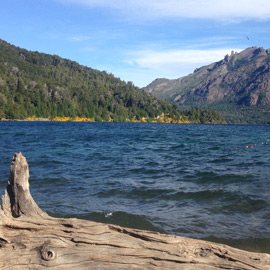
30	239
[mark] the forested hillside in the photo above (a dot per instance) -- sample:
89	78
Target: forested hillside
48	86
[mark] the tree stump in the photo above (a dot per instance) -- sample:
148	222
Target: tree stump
31	239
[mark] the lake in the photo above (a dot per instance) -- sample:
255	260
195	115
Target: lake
201	181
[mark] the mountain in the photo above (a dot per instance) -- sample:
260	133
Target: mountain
238	86
37	85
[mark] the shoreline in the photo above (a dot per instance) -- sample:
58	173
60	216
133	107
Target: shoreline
68	242
136	121
82	119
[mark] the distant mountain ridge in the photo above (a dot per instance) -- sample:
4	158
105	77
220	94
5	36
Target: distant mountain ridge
238	86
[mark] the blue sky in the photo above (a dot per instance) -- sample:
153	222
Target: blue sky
137	40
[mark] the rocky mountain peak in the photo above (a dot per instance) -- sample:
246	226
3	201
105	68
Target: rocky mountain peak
240	79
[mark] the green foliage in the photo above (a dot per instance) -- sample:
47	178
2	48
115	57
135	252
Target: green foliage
205	116
48	86
244	114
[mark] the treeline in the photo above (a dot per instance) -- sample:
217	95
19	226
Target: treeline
205	116
47	86
245	114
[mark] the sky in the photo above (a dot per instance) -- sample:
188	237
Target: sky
137	40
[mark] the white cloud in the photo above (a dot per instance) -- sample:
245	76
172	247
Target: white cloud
175	63
159	59
207	9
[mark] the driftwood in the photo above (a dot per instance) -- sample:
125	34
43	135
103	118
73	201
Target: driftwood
30	239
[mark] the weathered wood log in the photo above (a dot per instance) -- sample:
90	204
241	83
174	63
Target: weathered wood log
30	239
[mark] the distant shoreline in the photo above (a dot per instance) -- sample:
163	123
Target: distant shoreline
25	120
84	119
49	120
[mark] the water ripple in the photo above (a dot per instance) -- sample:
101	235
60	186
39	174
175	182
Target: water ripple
193	180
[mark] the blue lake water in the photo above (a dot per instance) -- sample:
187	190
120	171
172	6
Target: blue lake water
187	180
